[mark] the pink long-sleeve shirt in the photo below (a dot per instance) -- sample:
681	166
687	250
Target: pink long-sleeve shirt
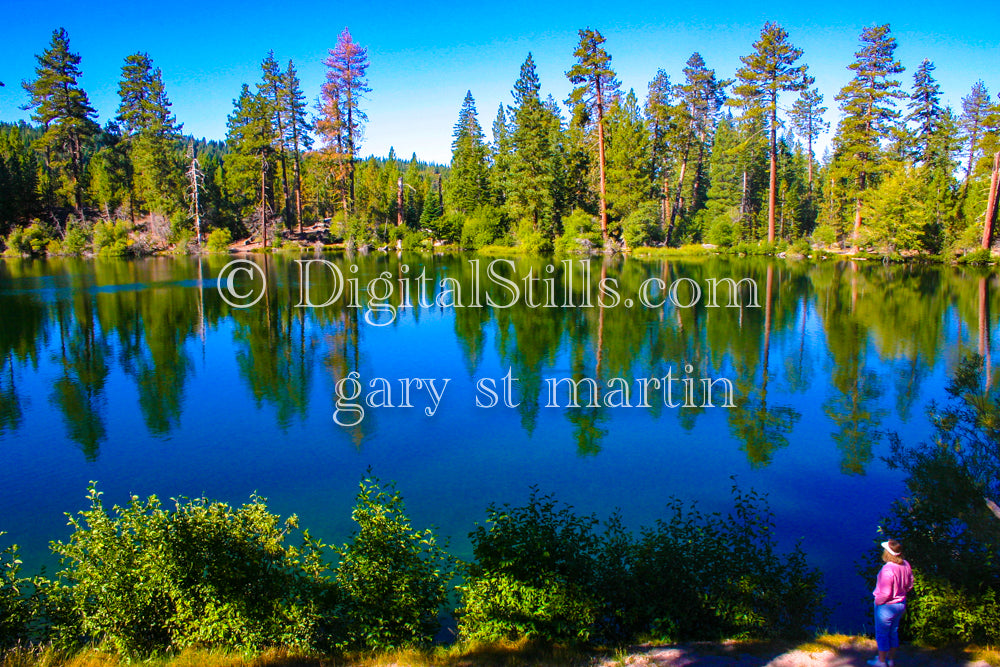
893	583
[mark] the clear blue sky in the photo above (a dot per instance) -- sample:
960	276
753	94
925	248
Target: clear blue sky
425	55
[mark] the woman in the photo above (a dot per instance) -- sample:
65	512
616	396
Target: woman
894	581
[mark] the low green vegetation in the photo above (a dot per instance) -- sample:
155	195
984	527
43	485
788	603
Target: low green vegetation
147	578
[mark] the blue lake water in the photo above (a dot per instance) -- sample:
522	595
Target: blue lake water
139	376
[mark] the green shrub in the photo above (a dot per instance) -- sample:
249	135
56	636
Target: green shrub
201	574
938	613
393	578
642	226
825	235
413	240
483	228
801	246
544	573
581	233
711	576
219	240
15	599
76	240
948	532
30	241
978	256
111	239
722	232
533	574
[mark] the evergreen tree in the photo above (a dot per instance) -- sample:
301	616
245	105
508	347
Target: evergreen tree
468	180
18	178
807	122
726	204
271	90
627	154
297	130
700	98
596	87
61	106
924	109
151	133
500	158
530	179
868	104
249	165
766	72
975	108
342	120
660	121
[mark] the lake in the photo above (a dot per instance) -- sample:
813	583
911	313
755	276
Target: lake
142	376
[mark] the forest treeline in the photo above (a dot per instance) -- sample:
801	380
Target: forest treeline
703	159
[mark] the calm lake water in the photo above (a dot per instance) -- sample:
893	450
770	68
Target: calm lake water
140	376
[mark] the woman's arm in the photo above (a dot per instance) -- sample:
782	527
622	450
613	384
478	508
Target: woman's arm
883	586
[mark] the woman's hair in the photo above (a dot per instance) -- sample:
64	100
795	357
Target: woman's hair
888	557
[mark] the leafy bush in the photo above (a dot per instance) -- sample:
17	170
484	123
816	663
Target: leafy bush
413	240
581	233
532	576
111	239
708	577
483	228
76	240
393	578
722	232
30	241
801	247
978	256
15	600
642	226
542	572
532	241
203	573
945	523
219	240
824	235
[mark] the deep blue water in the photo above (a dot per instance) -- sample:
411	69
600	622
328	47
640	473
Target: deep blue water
138	376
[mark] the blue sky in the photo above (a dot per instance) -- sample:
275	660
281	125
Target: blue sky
424	56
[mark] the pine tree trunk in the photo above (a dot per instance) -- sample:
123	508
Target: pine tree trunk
263	202
399	202
600	157
856	234
991	204
677	206
772	189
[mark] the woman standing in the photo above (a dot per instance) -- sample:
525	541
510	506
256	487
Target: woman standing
894	581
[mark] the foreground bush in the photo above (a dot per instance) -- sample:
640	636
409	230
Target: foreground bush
392	578
15	599
949	531
143	578
542	572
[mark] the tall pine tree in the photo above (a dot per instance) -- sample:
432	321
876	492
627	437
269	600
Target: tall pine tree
468	180
62	108
767	72
596	87
868	104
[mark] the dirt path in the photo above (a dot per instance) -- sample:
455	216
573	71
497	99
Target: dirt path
854	653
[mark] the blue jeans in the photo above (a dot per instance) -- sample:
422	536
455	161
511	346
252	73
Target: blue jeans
887	617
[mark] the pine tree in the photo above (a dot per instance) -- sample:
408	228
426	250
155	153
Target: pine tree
297	130
342	120
627	154
700	98
975	108
150	133
500	158
468	179
660	121
530	179
924	109
596	86
61	106
271	89
868	104
807	122
766	72
249	169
